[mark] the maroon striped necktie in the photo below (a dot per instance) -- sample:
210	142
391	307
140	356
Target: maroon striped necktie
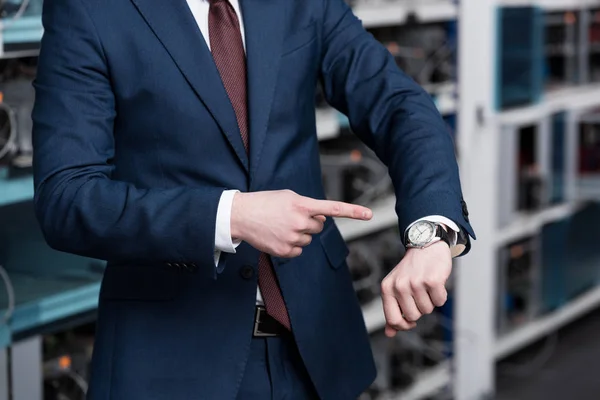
228	52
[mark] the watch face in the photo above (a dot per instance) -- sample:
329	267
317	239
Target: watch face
421	233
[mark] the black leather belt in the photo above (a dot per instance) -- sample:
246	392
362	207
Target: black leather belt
265	325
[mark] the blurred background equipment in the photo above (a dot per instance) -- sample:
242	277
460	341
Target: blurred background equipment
66	367
16	104
516	82
352	172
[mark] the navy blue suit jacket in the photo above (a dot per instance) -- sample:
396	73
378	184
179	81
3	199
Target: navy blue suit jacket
135	140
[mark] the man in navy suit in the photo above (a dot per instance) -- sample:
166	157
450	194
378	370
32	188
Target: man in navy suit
176	140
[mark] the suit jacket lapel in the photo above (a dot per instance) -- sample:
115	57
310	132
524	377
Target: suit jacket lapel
264	27
174	25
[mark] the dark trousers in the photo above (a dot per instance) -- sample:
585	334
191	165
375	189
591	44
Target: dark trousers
275	371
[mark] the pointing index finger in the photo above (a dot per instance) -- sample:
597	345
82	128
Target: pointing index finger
339	209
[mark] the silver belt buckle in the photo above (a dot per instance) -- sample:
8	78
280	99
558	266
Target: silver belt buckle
257	318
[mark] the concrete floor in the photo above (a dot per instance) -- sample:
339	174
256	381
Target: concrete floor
571	372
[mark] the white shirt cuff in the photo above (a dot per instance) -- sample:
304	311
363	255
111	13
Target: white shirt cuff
223	240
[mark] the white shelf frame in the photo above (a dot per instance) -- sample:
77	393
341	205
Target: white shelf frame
528	224
553	5
329	120
537	329
477	347
397	13
373	315
384	216
575	98
428	383
328	125
477	142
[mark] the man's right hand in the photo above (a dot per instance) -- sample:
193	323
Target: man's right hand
281	223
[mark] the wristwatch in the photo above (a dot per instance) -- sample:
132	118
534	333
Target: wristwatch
422	234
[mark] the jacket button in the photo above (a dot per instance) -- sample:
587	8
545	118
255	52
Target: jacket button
247	272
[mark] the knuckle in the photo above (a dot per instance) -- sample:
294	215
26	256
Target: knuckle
336	209
416	284
395	322
276	251
291	252
291	238
402	286
428	309
284	249
432	282
302	207
294	199
299	224
387	286
400	324
412	316
295	205
281	250
441	301
435	280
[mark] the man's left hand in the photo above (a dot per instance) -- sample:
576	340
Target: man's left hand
415	286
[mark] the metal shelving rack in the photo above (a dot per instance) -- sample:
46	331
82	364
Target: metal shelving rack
477	344
471	372
52	306
34	310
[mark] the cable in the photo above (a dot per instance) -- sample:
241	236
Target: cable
432	62
17	15
11	295
79	380
419	344
9	129
448	323
523	370
369	190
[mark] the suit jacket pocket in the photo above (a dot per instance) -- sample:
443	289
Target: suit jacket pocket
299	39
139	282
334	245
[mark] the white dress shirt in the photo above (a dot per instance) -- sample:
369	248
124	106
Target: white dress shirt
223	241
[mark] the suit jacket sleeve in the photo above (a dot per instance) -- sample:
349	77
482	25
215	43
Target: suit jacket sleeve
393	115
81	209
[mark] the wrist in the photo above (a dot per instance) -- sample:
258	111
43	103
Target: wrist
429	247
